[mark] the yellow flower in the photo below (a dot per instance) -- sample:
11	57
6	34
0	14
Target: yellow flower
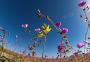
40	34
46	28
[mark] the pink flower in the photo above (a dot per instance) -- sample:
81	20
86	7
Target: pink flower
64	30
60	48
82	3
58	24
80	45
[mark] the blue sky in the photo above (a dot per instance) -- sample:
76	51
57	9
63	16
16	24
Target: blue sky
13	13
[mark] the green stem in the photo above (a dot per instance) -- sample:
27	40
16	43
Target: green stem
43	49
86	37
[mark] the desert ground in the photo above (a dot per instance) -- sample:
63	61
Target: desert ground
10	56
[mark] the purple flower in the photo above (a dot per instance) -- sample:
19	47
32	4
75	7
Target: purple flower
82	3
58	24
